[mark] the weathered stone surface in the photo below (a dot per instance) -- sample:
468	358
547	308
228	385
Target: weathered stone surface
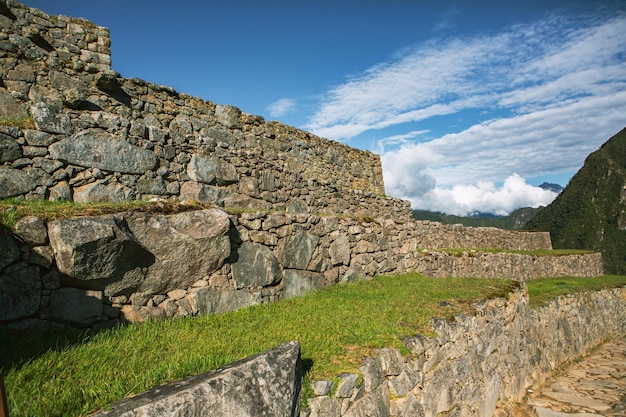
50	118
297	282
8	248
207	300
98	192
267	384
9	108
228	115
14	182
186	246
191	190
339	251
376	404
32	230
9	149
76	306
324	407
99	253
254	265
95	148
211	170
296	251
346	385
21	293
372	371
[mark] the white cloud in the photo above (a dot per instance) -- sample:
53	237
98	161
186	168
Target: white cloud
462	200
281	107
557	85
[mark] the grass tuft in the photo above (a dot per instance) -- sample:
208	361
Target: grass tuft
542	291
21	122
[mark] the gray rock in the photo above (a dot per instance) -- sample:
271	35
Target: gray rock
346	385
95	148
210	170
254	265
97	192
99	253
353	274
376	404
296	282
39	138
9	149
186	246
324	407
229	116
339	251
207	300
76	306
191	190
267	384
21	293
60	192
402	384
295	251
220	135
14	182
154	186
321	387
9	108
392	361
50	118
8	248
372	372
32	230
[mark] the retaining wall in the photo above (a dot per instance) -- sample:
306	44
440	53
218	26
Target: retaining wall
99	270
475	363
100	137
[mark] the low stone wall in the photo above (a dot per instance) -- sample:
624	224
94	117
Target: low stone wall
99	270
476	363
100	137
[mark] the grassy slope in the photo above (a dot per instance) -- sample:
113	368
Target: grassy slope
585	214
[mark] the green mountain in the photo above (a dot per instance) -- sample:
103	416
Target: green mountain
516	220
590	213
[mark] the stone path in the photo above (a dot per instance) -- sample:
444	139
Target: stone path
595	386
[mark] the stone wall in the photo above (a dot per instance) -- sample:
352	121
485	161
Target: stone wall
475	363
99	270
100	137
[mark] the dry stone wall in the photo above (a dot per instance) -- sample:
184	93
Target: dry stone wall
475	364
100	137
100	270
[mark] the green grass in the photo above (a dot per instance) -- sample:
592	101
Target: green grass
11	210
541	291
73	374
22	122
538	252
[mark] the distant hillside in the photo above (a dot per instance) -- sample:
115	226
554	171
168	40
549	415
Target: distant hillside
516	220
590	213
551	187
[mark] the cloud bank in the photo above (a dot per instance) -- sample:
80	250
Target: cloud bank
546	94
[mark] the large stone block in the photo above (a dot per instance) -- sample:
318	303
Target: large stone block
254	265
21	293
186	246
95	148
207	300
267	384
296	282
14	182
76	306
9	149
99	253
50	118
295	251
9	108
210	170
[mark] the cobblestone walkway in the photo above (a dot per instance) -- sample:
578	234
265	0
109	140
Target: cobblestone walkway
595	386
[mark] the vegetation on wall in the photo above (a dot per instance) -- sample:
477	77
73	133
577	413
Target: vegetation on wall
591	212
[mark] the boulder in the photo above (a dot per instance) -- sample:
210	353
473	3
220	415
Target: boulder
186	246
9	108
95	148
76	306
229	116
14	182
267	384
295	251
339	251
32	230
99	253
50	117
21	293
98	192
254	265
296	282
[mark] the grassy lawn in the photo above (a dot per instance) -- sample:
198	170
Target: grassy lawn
538	252
71	374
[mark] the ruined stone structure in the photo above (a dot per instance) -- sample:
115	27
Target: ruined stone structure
314	215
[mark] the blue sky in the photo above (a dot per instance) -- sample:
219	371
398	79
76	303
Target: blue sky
471	105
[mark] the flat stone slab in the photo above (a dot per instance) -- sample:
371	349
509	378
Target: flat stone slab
267	384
